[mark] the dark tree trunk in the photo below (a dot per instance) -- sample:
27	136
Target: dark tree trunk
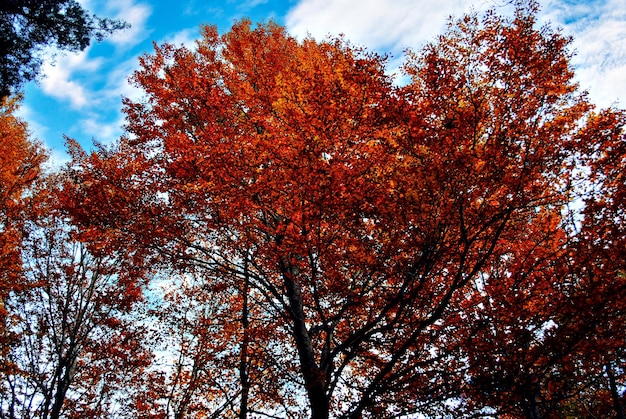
530	408
617	405
314	378
243	360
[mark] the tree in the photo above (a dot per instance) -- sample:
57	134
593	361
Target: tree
548	316
541	331
20	169
199	374
75	348
600	250
27	26
356	215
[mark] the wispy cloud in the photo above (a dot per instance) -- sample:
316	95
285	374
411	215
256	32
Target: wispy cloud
389	26
599	32
104	130
131	11
203	8
90	83
598	28
118	84
249	4
186	37
59	79
136	14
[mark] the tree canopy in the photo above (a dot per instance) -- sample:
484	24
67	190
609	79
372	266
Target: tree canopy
374	227
20	168
283	231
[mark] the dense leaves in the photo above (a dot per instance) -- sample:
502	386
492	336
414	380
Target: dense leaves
381	231
321	242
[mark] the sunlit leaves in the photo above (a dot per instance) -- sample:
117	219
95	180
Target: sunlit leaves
373	250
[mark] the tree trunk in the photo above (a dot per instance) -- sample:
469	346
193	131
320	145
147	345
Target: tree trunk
531	410
62	387
619	411
243	356
314	378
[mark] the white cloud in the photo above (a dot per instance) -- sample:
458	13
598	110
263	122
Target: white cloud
127	10
599	32
382	26
71	77
186	37
103	131
385	27
58	77
598	28
250	4
136	14
57	158
118	85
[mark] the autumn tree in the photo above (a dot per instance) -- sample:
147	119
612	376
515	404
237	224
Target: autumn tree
536	322
601	245
540	331
60	305
27	26
20	168
198	374
353	215
548	316
76	348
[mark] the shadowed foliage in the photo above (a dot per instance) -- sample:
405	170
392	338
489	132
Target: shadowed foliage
28	26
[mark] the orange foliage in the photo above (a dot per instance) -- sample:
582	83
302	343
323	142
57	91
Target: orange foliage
20	166
75	348
389	241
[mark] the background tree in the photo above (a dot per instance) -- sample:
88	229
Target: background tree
199	374
600	250
76	348
27	26
548	316
356	214
20	169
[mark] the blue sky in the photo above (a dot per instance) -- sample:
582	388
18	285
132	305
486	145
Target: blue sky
80	94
